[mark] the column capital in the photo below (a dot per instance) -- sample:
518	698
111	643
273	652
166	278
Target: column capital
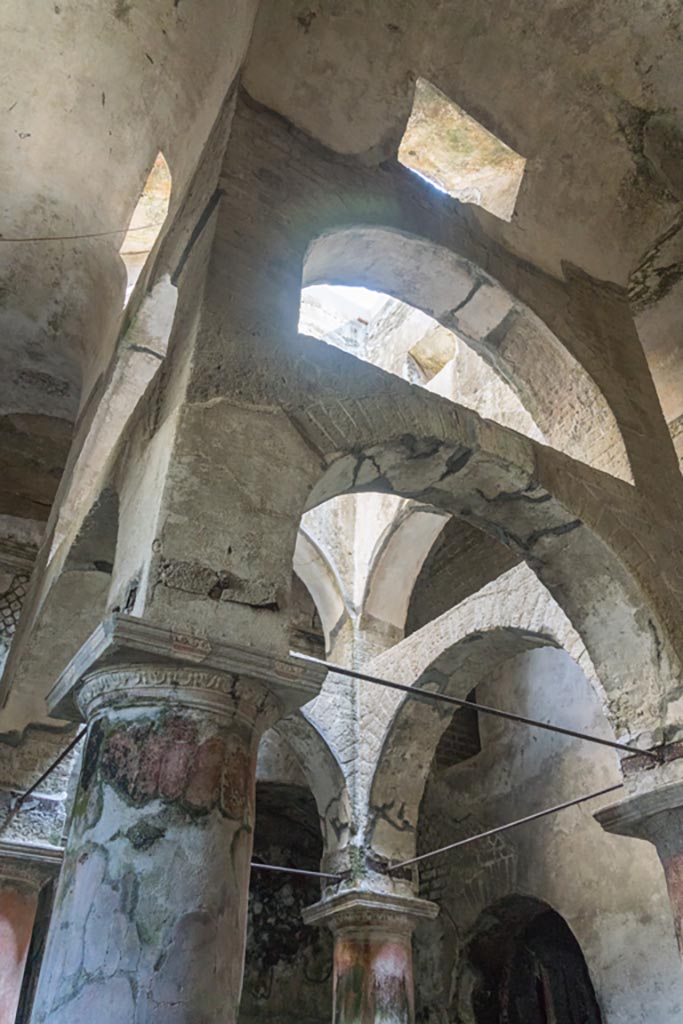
29	864
363	910
654	815
129	656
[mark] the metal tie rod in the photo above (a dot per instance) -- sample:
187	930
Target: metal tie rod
506	827
294	871
67	750
20	800
483	708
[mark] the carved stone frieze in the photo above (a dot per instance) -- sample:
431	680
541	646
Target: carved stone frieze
196	688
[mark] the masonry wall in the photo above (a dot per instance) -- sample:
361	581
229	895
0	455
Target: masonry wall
609	890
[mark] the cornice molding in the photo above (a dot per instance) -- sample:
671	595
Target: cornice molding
365	909
123	642
30	863
633	815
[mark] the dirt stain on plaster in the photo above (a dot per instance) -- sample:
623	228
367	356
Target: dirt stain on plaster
306	20
122	9
217	584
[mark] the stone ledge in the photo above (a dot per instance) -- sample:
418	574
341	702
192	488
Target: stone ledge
628	817
361	908
32	863
123	640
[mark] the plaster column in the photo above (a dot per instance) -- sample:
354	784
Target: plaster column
373	956
24	869
149	922
656	816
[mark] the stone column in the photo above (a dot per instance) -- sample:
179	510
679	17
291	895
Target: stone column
24	869
656	816
150	914
373	956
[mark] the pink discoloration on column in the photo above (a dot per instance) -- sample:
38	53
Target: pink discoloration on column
373	957
373	980
17	914
655	815
150	914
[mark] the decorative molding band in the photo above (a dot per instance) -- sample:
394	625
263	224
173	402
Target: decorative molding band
191	687
633	815
124	642
29	863
361	910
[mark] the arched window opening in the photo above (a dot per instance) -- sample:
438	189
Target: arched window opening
445	145
405	341
523	353
147	221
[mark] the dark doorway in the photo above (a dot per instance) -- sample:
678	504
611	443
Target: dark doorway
529	968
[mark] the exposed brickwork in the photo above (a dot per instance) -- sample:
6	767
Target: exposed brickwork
461	739
461	562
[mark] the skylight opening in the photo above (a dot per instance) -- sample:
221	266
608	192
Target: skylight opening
147	221
339	314
456	154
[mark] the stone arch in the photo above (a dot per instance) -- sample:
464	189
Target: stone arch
587	538
147	220
562	398
512	615
320	579
306	634
396	564
325	778
140	354
515	942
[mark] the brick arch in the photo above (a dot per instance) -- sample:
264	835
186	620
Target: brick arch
562	398
512	615
460	562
